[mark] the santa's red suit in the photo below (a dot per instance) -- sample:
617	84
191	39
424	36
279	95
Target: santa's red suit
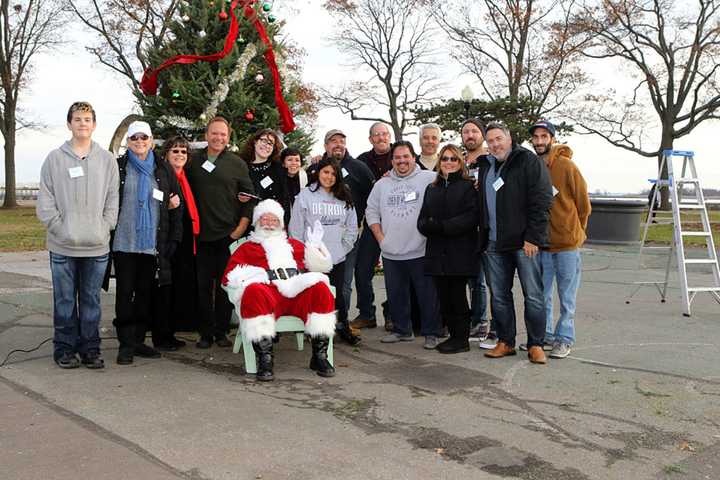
261	277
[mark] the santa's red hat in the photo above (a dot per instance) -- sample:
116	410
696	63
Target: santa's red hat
268	206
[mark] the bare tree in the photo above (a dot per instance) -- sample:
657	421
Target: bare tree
672	50
26	29
125	30
393	41
515	48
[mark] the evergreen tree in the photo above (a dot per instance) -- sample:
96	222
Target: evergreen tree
186	92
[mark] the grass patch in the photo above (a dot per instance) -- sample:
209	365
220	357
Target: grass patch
663	234
20	230
673	468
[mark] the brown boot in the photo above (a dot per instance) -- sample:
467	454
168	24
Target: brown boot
361	322
502	349
536	355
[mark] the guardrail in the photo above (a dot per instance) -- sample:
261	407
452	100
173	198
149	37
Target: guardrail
29	193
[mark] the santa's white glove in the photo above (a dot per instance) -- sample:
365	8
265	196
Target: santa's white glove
314	236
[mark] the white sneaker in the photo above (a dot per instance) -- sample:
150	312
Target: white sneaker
560	350
489	343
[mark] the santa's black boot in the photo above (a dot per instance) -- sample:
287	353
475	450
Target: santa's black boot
264	355
319	361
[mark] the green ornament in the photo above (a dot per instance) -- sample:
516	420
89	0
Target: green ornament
266	7
271	18
175	94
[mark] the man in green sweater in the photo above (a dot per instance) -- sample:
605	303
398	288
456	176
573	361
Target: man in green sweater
216	177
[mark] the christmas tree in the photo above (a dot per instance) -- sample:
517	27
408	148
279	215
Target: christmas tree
239	86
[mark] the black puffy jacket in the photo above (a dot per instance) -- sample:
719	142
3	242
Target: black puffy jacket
448	218
522	203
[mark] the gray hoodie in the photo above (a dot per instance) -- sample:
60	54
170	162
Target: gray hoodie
339	223
78	200
395	203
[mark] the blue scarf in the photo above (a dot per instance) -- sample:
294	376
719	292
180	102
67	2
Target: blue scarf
145	226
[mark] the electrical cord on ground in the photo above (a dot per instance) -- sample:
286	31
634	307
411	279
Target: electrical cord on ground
20	350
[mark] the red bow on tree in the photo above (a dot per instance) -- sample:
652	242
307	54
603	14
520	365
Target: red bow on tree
149	83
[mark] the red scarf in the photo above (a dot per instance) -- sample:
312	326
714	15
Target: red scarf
190	204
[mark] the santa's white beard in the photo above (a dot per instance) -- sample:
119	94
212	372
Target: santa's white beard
262	233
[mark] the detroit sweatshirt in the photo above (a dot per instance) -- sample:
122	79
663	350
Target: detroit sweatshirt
339	223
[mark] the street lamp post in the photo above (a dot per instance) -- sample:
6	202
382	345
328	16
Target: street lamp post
467	97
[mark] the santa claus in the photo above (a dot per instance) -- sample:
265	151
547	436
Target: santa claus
271	275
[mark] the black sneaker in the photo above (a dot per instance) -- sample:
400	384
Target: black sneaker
67	360
222	341
204	343
93	361
166	346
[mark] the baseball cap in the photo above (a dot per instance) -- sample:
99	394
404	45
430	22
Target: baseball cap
543	124
139	127
332	132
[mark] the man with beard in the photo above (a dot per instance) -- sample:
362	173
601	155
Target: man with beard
359	179
272	275
515	195
473	139
392	212
569	214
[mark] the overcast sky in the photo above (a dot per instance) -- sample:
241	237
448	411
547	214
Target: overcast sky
71	74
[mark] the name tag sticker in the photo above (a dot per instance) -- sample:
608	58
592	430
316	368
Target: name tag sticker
345	173
208	166
158	194
76	172
410	197
266	182
555	191
497	184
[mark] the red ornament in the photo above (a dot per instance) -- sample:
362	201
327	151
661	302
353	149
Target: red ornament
223	16
249	116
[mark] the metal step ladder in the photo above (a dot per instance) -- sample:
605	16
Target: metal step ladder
678	218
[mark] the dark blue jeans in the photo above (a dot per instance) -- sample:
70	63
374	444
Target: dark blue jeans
76	302
478	290
399	275
368	254
501	270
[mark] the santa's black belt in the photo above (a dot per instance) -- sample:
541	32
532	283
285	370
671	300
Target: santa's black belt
283	273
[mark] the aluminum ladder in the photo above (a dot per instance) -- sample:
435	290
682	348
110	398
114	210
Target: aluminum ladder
681	209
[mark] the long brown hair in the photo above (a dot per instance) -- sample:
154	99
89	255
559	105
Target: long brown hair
339	190
455	150
248	153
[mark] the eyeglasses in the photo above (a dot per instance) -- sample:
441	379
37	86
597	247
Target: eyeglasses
267	142
380	134
135	138
179	150
449	159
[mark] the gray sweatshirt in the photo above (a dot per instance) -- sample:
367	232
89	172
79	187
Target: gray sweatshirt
394	203
339	223
78	200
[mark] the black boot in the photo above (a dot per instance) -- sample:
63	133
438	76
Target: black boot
142	350
125	335
459	326
264	357
319	361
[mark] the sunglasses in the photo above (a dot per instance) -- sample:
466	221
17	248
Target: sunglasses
178	150
449	159
135	138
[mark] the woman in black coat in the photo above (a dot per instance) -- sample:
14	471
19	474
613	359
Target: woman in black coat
448	219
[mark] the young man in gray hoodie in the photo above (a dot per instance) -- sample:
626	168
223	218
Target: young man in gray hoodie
392	212
78	203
